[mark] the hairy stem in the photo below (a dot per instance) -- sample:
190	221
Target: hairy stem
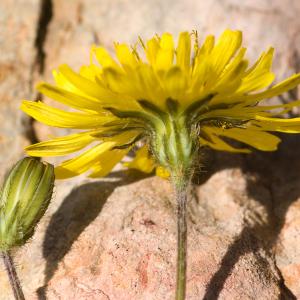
12	275
181	199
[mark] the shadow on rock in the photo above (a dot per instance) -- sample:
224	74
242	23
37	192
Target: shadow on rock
276	187
76	212
276	173
246	242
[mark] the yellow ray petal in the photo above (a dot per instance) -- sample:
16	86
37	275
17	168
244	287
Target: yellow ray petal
162	172
183	51
151	50
240	112
199	79
276	90
59	118
88	87
259	82
235	61
104	58
150	85
60	145
257	139
83	162
107	161
228	44
142	161
236	113
205	50
264	62
165	54
213	62
250	99
231	77
276	124
90	72
124	84
201	67
72	99
88	159
175	83
62	82
125	56
215	142
259	76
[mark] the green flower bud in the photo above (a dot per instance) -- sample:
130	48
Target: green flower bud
24	198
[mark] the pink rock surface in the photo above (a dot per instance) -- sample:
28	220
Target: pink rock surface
18	25
128	251
287	250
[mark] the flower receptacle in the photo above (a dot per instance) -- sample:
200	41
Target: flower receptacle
175	144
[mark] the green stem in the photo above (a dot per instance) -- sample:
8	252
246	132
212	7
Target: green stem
12	275
181	199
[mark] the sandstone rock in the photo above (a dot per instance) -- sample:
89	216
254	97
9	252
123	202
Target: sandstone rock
18	25
287	249
128	250
285	189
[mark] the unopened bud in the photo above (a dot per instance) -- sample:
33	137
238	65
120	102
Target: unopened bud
24	198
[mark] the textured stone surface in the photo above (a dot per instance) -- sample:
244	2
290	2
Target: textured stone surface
287	251
136	251
18	25
115	238
285	188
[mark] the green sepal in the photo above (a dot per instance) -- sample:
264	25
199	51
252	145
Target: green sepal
198	106
172	106
130	144
153	109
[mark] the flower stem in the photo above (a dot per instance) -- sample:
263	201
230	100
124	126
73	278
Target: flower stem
181	199
12	275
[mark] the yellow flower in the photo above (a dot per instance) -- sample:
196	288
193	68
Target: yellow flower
163	103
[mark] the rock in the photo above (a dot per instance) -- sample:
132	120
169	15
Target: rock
287	249
285	189
18	25
128	250
117	239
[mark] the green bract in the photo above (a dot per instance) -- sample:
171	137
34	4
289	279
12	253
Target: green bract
24	198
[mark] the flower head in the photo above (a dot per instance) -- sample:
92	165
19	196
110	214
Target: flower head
163	103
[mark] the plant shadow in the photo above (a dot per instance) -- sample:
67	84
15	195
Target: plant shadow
77	211
272	170
279	173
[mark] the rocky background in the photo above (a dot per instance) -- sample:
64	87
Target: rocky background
115	238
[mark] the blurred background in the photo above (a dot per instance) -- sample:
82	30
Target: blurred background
36	36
